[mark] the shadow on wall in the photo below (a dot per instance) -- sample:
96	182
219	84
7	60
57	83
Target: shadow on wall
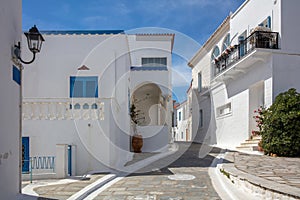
204	119
259	71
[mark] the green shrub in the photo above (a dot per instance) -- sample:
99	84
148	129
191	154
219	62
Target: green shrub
280	129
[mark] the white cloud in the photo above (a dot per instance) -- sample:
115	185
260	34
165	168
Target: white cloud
181	75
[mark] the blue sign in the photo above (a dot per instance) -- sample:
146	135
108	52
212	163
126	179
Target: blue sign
16	75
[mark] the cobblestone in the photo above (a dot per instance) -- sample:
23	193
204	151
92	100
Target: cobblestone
156	184
274	177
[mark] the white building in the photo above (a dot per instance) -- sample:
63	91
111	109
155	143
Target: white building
183	119
10	80
181	130
77	98
240	68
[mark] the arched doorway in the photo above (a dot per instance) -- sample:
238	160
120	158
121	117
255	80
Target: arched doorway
150	105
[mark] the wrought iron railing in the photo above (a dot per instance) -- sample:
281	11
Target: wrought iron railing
258	39
42	162
39	162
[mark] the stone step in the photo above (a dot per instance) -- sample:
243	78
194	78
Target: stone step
257	137
256	140
248	144
247	148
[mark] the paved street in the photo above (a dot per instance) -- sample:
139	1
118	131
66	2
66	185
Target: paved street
64	190
160	184
182	175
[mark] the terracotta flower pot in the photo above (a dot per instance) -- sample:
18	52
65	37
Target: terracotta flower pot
260	148
137	143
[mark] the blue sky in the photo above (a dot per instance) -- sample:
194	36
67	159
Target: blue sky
193	21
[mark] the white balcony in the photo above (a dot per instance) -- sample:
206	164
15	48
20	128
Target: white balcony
239	58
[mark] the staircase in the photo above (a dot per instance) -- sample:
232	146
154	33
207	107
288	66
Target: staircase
250	144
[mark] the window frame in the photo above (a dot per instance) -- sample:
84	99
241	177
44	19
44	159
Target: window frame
215	53
226	42
200	118
224	110
84	80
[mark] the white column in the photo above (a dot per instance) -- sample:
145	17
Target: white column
61	162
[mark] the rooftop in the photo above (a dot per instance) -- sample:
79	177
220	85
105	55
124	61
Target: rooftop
82	32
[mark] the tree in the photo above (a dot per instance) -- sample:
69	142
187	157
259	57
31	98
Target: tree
280	128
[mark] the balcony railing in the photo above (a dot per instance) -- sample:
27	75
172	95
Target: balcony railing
258	39
63	109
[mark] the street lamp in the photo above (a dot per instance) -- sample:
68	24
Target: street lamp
34	40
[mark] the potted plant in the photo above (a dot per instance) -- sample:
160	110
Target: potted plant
137	139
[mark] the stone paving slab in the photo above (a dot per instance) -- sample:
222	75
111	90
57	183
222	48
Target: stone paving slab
64	191
276	177
157	184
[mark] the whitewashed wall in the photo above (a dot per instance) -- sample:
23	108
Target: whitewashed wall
240	20
11	24
153	46
289	25
183	124
103	141
100	143
285	73
149	46
256	86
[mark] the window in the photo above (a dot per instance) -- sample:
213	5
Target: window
215	53
226	42
242	43
201	118
84	86
179	116
266	23
154	61
199	82
224	110
181	135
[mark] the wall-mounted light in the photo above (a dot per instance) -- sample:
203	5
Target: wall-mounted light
34	40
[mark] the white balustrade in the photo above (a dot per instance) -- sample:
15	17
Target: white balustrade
62	109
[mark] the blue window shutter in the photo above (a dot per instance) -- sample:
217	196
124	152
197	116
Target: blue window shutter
96	92
91	88
72	81
78	90
269	22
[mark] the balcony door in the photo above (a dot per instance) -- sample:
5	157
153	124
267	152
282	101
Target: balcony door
25	154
